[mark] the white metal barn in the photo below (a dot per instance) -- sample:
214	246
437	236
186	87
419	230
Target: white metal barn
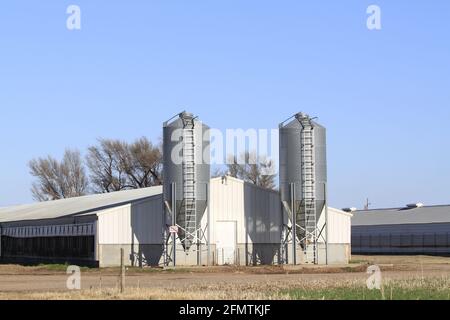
88	230
414	229
245	228
246	222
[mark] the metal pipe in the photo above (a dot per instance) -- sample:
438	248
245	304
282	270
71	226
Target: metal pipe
283	232
326	222
174	222
177	115
208	218
199	247
281	125
165	235
294	225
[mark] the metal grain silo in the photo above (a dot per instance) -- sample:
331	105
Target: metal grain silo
186	174
303	177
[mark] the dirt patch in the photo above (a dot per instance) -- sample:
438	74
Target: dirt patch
61	269
215	282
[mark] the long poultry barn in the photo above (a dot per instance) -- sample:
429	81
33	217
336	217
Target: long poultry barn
86	230
246	228
413	229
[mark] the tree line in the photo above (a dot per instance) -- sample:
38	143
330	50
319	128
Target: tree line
115	165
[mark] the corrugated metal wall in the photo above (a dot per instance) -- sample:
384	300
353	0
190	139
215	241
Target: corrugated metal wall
339	226
137	223
256	211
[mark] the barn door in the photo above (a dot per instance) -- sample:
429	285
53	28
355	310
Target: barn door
226	242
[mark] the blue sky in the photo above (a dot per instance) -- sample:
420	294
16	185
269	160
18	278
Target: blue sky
383	95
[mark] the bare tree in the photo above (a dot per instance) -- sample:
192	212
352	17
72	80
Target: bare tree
234	169
267	174
58	180
217	172
106	173
116	165
257	170
142	162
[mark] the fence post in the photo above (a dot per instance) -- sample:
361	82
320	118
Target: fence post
122	271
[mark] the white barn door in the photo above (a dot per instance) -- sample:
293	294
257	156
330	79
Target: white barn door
226	242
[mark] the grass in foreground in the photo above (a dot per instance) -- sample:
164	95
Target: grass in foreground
58	267
389	293
411	289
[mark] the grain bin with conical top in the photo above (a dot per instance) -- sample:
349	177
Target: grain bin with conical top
186	174
303	178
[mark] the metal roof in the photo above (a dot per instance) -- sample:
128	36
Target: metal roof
397	216
252	185
73	206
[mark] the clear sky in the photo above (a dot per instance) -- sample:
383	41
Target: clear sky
384	95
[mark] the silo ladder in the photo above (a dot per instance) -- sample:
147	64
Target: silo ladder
189	185
308	221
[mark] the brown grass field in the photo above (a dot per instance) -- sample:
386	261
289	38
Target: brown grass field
404	277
